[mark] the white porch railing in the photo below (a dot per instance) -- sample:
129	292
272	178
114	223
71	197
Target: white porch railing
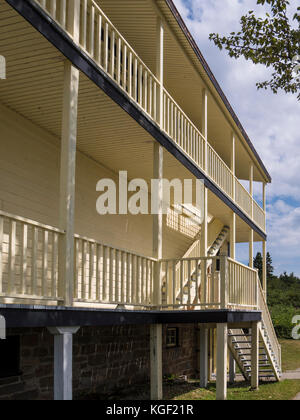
242	286
104	44
106	275
28	259
268	323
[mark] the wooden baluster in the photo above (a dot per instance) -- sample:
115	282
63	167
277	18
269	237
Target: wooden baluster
91	270
104	284
145	90
34	256
140	101
128	278
53	9
12	257
99	41
117	275
84	24
130	74
106	46
98	272
63	13
83	269
45	264
111	274
112	53
23	263
54	269
92	31
125	67
123	276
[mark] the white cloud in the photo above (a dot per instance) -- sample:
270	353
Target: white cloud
272	121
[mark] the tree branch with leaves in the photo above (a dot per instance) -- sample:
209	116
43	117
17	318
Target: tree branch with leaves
272	41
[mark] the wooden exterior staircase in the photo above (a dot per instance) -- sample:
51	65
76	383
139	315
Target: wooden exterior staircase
190	283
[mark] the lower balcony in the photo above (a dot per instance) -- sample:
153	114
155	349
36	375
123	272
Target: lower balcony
113	278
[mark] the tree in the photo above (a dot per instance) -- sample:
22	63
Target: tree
272	41
258	264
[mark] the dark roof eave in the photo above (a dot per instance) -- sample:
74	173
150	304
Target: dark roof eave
214	81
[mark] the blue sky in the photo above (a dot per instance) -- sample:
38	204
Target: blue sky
272	122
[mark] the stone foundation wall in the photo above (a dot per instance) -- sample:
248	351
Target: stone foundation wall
106	360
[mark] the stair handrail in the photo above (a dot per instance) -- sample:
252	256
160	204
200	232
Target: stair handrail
268	323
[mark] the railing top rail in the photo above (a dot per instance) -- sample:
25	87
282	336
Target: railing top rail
30	222
183	113
242	265
93	241
175	260
123	39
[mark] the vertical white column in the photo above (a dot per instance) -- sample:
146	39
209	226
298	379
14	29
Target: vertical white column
67	182
156	362
224	281
205	125
222	353
232	163
251	247
2	328
156	330
68	166
160	67
63	362
251	176
204	246
255	356
264	271
264	197
232	369
233	218
203	356
233	236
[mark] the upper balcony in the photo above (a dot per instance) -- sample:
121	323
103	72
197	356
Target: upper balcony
104	44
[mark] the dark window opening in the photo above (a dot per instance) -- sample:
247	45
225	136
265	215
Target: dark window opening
10	357
172	338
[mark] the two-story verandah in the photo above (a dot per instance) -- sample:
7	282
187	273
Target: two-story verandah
135	269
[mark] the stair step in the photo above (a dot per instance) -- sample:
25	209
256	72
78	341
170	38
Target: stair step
239	335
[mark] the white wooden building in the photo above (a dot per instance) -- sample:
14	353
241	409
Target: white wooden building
94	87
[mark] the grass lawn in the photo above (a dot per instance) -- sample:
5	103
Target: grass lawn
282	391
290	354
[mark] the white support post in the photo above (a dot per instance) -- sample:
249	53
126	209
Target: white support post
156	330
264	194
251	248
205	125
204	246
251	177
2	328
160	67
224	281
156	362
63	362
67	182
68	165
264	272
203	357
255	356
232	369
222	353
233	236
233	163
